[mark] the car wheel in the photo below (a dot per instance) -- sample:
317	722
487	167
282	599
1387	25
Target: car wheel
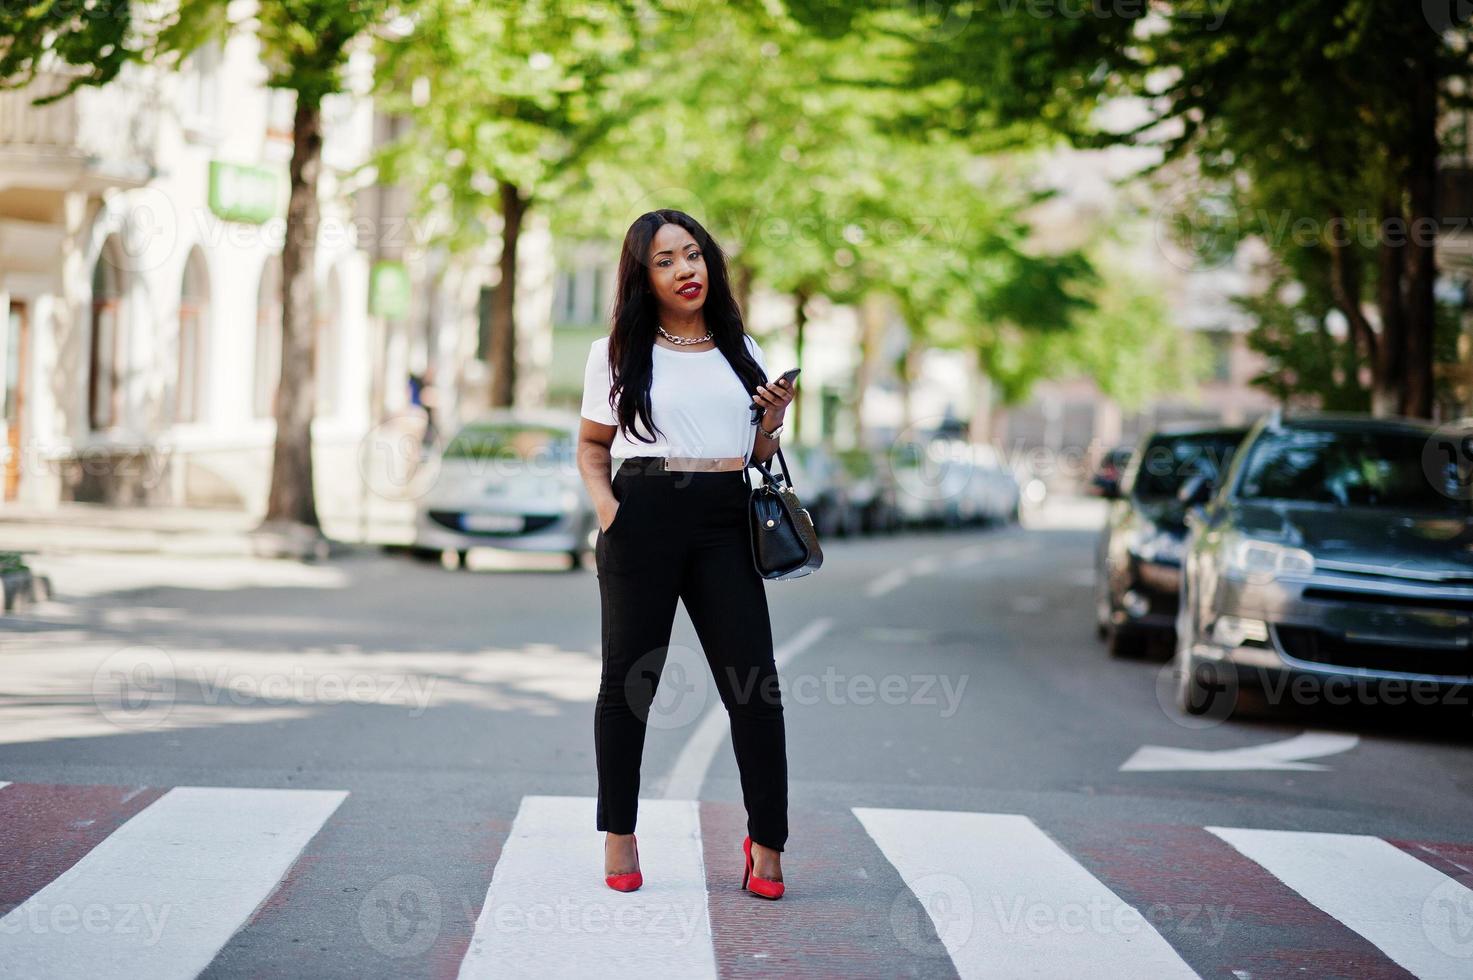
1124	644
1190	692
1102	605
1202	687
426	555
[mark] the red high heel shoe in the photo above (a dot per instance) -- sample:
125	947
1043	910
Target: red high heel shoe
626	881
766	887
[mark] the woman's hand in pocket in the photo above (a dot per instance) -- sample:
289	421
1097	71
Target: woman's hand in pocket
606	515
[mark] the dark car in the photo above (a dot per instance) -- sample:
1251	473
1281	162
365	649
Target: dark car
1138	561
1337	547
1105	481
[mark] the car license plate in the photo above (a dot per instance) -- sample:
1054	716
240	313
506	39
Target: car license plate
491	522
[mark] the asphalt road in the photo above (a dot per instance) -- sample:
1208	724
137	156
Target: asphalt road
374	767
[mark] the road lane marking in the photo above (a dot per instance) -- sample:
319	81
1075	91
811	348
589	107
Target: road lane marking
1285	754
888	582
689	771
932	562
162	895
1007	901
548	912
1374	889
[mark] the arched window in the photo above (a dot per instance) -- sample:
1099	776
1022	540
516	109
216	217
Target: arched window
328	346
194	318
268	339
107	339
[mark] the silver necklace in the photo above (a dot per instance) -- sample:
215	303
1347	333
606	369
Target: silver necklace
682	341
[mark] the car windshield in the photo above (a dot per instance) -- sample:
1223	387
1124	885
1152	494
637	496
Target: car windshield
530	443
1168	461
1377	468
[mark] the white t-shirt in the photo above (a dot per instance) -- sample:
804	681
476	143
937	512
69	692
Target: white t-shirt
699	403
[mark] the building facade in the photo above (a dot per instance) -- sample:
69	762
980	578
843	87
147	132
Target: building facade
141	227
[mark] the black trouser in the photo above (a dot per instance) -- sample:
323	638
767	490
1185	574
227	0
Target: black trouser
684	535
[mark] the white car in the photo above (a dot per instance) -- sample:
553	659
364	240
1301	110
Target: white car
508	479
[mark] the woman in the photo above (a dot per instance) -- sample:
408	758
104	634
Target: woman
670	393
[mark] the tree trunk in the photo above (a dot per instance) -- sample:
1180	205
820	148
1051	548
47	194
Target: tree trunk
1421	248
871	326
502	356
906	369
743	282
800	322
1388	366
291	496
1346	288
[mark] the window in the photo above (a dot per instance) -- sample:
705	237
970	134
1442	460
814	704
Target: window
268	340
1220	343
1169	460
281	113
601	307
194	315
326	355
200	82
1353	468
106	336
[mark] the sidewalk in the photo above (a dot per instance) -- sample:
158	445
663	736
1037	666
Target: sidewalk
72	528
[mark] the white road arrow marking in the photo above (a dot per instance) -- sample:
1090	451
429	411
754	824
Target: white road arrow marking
1275	755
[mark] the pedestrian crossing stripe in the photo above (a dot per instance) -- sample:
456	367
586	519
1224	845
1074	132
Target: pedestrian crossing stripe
169	877
1003	898
162	895
1413	913
549	880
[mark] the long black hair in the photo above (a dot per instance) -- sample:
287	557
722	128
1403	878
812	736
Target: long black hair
632	339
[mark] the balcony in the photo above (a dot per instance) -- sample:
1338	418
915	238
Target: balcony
94	139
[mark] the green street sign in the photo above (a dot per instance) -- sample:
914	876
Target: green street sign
241	192
389	290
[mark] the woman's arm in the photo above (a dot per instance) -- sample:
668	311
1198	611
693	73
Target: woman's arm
774	396
595	467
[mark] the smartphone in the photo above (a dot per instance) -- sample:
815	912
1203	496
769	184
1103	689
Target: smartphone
787	376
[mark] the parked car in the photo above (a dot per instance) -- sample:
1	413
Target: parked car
1105	481
931	481
1138	558
1337	547
823	485
508	479
994	488
872	490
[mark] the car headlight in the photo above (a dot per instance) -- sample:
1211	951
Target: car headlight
1265	561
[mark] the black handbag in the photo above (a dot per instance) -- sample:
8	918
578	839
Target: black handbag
784	540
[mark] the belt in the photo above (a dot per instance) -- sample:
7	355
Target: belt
695	464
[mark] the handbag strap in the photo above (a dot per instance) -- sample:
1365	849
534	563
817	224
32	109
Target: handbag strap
767	473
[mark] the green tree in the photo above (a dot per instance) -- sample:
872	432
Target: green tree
509	102
1327	105
818	187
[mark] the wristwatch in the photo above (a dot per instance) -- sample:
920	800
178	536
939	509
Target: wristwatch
774	433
